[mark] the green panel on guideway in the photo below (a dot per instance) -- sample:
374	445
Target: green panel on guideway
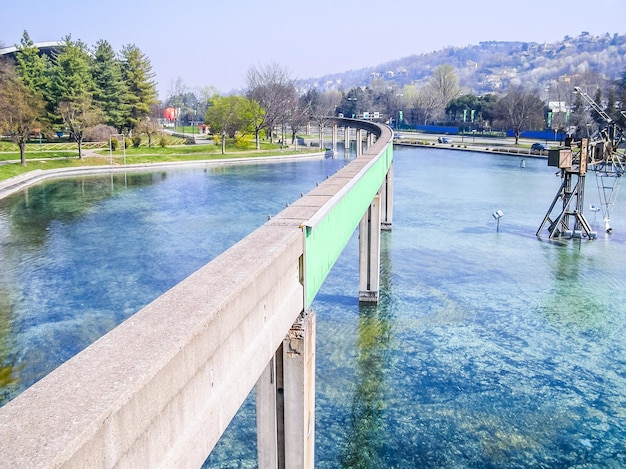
327	233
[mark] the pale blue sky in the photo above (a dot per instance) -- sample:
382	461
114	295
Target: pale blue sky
214	43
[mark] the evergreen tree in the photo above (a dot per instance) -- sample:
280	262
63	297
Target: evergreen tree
610	104
72	88
71	75
32	68
139	78
110	90
594	115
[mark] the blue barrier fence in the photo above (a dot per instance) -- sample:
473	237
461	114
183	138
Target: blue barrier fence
548	134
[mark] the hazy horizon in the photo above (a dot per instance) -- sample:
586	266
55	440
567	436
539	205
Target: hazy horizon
215	45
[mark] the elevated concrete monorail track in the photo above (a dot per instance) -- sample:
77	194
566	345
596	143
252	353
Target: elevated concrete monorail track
160	389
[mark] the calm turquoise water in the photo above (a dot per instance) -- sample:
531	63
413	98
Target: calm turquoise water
489	349
80	255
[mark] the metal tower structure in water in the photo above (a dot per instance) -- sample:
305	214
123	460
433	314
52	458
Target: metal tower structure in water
606	158
566	219
604	154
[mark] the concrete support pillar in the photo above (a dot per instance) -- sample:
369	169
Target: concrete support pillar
286	407
334	138
369	253
359	142
370	139
346	137
266	417
299	393
386	201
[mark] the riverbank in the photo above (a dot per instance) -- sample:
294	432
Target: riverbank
94	163
16	183
481	145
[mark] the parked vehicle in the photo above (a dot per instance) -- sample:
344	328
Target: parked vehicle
539	147
444	140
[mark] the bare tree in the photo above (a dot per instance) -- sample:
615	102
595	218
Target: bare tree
519	110
444	86
20	109
79	114
299	116
272	87
325	110
321	107
149	127
427	104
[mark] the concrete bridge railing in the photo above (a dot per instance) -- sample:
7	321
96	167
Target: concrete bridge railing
160	389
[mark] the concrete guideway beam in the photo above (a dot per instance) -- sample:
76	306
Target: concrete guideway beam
160	389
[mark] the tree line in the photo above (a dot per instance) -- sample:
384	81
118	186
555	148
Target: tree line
271	107
438	100
76	89
79	88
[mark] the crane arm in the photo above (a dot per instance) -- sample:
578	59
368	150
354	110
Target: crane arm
594	105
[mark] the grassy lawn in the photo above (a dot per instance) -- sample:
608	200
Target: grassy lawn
15	169
38	155
141	155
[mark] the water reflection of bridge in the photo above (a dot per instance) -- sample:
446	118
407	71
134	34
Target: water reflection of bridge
160	389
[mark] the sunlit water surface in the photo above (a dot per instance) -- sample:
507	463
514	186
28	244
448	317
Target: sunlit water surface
489	348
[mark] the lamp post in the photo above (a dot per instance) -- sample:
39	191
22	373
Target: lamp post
353	108
123	140
497	215
39	134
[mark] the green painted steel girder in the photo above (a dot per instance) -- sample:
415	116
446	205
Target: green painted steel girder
328	231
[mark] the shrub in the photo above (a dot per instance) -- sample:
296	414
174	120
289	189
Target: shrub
190	141
98	133
136	141
114	143
128	142
162	142
241	141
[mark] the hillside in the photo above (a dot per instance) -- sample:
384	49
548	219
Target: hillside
492	66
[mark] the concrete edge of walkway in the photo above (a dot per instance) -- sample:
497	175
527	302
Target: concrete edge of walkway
17	183
510	151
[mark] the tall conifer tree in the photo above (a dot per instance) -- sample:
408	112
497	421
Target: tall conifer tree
139	78
32	67
72	87
110	90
